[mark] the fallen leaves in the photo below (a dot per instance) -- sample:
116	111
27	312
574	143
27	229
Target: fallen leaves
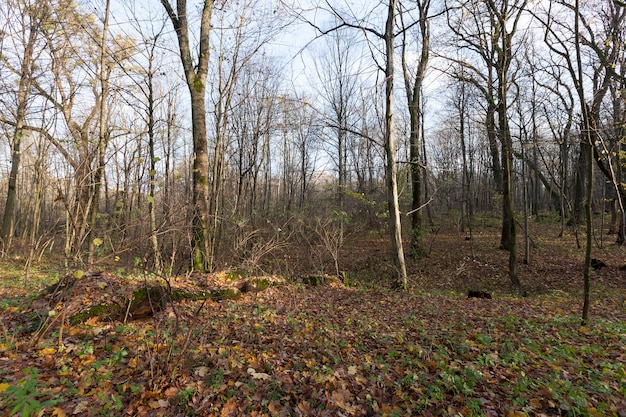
325	351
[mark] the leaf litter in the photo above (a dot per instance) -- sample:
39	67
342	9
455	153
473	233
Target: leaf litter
329	350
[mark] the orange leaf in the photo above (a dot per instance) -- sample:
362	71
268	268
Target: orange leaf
228	408
305	408
274	407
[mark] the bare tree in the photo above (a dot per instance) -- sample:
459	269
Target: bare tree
242	33
386	54
339	71
413	83
251	124
196	71
24	20
103	132
488	32
72	76
567	42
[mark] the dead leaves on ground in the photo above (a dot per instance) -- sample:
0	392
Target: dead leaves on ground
298	351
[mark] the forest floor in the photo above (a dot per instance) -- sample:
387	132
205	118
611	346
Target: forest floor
346	348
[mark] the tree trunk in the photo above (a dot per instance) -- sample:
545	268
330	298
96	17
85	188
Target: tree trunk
492	137
579	184
154	241
195	76
201	260
390	153
23	93
509	233
102	138
414	96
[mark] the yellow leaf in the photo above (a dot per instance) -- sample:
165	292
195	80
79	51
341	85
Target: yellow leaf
132	363
3	387
58	412
47	351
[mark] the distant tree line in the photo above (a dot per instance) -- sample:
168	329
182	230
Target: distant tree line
182	137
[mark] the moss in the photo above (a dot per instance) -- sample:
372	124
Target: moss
256	285
153	295
198	261
315	280
235	274
100	310
198	84
178	295
228	294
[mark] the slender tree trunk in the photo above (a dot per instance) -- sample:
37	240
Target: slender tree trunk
8	220
496	166
23	93
102	137
154	241
201	259
414	98
38	193
416	169
587	142
579	184
563	183
525	199
465	194
390	153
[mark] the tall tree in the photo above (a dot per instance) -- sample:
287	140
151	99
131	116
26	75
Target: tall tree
196	71
25	19
391	146
103	132
339	75
413	83
489	33
69	36
387	55
601	35
146	79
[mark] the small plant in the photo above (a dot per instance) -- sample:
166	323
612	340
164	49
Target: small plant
183	398
24	397
332	235
110	403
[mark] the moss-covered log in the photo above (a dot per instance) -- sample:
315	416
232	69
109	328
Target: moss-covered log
144	303
109	297
315	280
